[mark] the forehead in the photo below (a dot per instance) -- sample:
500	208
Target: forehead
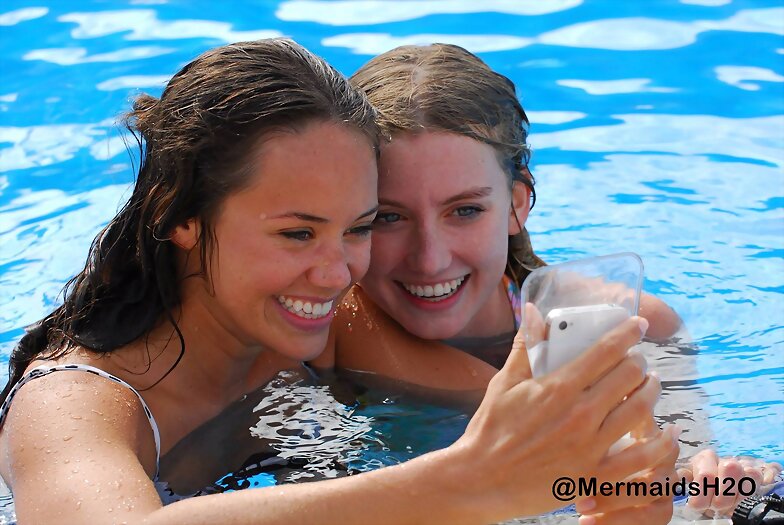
437	164
322	167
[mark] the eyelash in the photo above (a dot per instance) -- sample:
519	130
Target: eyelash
362	231
381	218
475	211
305	235
298	235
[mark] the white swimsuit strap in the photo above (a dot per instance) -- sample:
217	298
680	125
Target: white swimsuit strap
45	370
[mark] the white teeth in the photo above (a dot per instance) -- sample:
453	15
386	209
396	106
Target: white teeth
305	309
437	292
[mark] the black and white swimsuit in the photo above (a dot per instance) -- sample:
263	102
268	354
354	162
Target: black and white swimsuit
166	494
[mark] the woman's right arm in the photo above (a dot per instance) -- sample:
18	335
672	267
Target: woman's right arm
75	450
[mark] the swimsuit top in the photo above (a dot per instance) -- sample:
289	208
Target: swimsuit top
515	301
166	494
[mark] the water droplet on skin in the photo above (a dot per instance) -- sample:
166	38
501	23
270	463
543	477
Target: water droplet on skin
474	373
67	438
78	504
76	416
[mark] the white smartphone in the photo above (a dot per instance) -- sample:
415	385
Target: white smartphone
571	331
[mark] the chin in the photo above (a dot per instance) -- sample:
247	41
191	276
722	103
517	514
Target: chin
299	349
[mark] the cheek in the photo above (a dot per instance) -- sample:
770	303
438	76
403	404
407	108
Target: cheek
487	245
359	260
387	249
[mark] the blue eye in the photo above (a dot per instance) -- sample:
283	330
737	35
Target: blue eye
468	211
387	218
298	235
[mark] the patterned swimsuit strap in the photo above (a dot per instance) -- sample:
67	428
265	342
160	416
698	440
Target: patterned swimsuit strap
46	370
513	292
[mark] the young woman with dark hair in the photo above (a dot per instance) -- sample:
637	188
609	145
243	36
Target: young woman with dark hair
248	221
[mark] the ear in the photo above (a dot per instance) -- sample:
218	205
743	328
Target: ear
518	214
187	234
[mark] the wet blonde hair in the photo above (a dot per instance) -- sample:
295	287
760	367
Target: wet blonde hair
443	87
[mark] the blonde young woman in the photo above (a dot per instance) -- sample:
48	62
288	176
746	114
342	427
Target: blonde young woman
255	195
439	306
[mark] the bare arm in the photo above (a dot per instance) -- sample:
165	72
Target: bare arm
664	321
85	445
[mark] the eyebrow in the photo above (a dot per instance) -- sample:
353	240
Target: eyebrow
473	193
315	218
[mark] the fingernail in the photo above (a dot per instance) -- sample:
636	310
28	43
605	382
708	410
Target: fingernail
587	520
643	322
585	505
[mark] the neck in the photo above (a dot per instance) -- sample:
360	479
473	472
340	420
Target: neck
216	367
495	318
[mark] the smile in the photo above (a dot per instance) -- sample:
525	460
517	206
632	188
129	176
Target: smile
305	309
435	292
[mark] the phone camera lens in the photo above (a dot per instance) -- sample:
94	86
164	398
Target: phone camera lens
562	325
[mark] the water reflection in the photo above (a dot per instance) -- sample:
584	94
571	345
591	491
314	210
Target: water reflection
143	24
368	12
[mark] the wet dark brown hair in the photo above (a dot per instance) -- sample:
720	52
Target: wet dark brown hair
443	87
194	145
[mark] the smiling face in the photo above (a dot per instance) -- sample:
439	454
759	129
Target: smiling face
290	243
441	237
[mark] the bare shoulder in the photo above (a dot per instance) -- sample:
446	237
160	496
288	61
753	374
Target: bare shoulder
71	434
369	340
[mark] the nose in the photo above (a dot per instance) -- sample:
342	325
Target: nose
331	270
430	252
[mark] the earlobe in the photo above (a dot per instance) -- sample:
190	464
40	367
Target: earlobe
187	234
518	214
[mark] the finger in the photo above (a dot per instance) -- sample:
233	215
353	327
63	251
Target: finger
631	413
517	367
729	468
656	513
641	455
769	472
646	429
704	465
534	330
685	473
637	490
603	356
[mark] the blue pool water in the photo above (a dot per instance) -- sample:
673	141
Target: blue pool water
658	127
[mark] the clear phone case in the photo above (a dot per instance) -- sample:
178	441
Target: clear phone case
569	306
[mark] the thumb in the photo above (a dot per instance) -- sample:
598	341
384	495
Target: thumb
517	365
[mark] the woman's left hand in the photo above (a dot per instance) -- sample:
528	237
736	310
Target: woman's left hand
707	464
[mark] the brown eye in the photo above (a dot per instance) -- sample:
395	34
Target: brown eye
298	235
